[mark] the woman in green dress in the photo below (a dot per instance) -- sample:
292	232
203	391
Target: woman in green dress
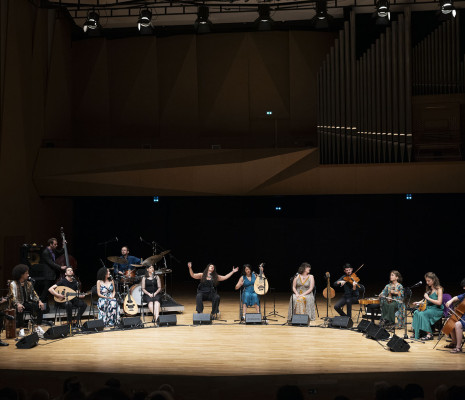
423	320
392	301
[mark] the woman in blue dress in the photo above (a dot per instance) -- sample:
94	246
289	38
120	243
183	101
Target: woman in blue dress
108	309
249	297
423	320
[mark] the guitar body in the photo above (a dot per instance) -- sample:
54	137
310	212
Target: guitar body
130	306
422	306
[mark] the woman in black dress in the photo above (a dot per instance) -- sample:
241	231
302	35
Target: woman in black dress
151	287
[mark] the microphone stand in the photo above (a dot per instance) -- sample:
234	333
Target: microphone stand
406	309
274	313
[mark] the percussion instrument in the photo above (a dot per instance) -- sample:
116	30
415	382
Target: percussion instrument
136	293
117	260
155	258
369	300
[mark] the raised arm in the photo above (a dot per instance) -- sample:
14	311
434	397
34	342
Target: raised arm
240	282
224	277
195	275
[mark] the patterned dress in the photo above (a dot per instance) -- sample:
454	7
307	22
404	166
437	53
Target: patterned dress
393	311
304	305
422	320
108	309
249	297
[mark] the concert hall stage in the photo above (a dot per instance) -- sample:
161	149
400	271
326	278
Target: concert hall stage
232	360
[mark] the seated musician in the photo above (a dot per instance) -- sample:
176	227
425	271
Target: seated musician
351	293
423	320
24	298
108	308
392	301
72	283
50	268
302	300
457	332
151	287
121	269
2	316
206	290
249	297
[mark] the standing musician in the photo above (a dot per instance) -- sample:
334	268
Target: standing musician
423	320
350	291
151	286
24	298
120	269
71	282
206	290
249	297
302	300
51	268
392	301
457	332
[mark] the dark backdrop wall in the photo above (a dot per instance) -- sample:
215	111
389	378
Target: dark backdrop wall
383	232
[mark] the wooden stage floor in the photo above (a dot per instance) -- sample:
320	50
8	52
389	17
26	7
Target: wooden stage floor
229	349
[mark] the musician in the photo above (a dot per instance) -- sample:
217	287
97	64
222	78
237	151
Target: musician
50	268
351	293
108	308
24	298
457	332
2	315
206	290
151	286
302	300
249	297
423	320
392	301
120	269
71	282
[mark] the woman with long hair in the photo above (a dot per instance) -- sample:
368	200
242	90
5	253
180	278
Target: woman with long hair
108	309
206	290
302	300
423	320
151	287
392	301
249	297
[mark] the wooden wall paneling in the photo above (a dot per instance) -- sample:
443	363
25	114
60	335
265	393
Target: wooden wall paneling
388	95
408	83
373	105
378	87
401	82
332	97
347	98
337	103
355	93
342	103
383	97
395	96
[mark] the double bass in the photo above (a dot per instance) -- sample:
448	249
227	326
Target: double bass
66	259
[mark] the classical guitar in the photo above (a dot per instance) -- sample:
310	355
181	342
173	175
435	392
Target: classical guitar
130	306
261	283
69	294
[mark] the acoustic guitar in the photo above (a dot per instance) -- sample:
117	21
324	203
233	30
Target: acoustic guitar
261	283
130	306
69	294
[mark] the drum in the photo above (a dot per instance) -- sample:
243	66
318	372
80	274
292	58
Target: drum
369	300
136	293
129	276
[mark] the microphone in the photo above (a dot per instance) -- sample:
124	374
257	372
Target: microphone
31	280
116	238
416	285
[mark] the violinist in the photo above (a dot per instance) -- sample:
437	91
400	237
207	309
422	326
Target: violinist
351	293
50	267
392	301
71	282
423	320
457	332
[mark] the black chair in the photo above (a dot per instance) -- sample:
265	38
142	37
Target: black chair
59	307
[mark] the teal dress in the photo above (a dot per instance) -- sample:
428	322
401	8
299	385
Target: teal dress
249	297
423	320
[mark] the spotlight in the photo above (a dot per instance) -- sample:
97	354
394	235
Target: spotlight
447	10
264	21
202	23
144	23
382	14
322	18
92	24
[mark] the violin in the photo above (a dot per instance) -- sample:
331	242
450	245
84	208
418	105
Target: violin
353	278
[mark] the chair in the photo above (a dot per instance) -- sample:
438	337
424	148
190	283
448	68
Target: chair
93	301
437	326
241	290
362	309
59	307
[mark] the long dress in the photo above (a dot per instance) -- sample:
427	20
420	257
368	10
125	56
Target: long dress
393	311
249	297
304	305
108	309
422	320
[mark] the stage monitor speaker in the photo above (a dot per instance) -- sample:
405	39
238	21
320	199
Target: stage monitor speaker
364	325
344	322
56	332
300	320
377	333
28	342
202	319
95	325
132	322
253	318
167	320
398	344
